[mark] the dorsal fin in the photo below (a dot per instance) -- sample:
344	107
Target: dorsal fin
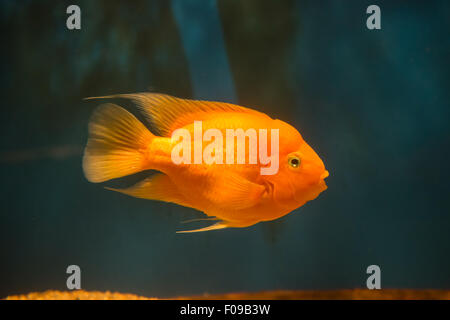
168	113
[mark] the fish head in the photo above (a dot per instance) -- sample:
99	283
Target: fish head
301	176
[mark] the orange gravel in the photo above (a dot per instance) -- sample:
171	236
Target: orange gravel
354	294
77	295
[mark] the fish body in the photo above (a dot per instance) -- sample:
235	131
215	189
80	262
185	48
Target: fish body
237	194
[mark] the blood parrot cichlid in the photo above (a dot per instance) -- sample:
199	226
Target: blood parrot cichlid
237	194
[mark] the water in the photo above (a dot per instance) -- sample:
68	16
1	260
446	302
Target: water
374	104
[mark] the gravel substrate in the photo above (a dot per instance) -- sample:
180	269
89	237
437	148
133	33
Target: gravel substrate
401	294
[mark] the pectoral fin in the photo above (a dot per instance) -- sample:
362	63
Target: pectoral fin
231	191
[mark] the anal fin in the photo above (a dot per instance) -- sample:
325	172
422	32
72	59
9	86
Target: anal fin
157	187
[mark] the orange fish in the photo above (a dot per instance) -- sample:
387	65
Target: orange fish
237	194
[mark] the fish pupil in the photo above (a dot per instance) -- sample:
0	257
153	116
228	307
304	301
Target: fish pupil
294	162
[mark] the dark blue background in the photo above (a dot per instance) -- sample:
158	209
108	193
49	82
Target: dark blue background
374	104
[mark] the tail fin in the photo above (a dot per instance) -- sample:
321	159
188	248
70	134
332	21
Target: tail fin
117	144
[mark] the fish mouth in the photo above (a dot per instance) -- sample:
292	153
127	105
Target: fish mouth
312	193
322	185
324	175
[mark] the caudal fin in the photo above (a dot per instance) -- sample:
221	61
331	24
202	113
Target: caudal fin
117	145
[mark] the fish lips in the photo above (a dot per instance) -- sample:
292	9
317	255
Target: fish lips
324	175
314	190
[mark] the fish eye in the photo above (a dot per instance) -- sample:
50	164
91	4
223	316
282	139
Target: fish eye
294	161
